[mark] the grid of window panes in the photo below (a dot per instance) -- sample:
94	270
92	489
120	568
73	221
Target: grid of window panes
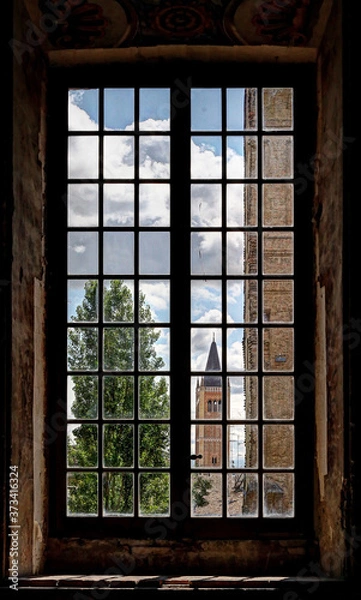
118	278
242	302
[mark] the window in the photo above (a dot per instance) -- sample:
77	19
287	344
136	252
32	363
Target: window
186	269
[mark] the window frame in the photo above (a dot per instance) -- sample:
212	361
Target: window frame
180	74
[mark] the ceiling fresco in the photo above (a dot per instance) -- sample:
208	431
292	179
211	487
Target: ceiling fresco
75	24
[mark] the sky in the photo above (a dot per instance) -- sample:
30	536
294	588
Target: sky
154	209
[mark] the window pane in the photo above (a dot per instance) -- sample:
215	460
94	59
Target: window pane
83	157
82	300
278	446
243	398
82	445
278	495
154	109
154	253
241	205
278	349
83	110
82	205
118	445
80	387
241	157
206	495
154	205
242	344
277	157
206	205
206	250
242	253
206	403
118	157
242	301
118	397
154	491
278	397
118	349
118	494
206	301
154	400
278	205
242	443
154	445
82	348
201	357
206	109
118	301
277	108
118	109
278	301
206	157
82	494
118	256
241	109
118	204
153	349
242	495
82	253
154	301
154	157
278	253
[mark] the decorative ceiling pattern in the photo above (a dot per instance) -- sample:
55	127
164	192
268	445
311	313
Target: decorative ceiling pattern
73	24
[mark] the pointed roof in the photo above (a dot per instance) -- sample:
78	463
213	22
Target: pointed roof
213	364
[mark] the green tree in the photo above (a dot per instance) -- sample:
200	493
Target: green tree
120	437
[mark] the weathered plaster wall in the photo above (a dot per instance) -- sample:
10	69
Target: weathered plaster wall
27	419
328	259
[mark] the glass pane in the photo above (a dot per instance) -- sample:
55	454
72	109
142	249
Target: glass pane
118	253
206	401
241	109
242	495
243	398
278	446
82	205
278	495
82	253
118	445
154	253
118	157
154	157
278	253
118	301
242	443
206	205
118	205
242	301
153	349
154	109
154	298
278	205
278	349
242	345
154	494
278	301
241	205
206	350
154	401
82	348
278	157
83	157
118	397
206	301
83	110
206	440
82	494
154	205
154	445
277	108
206	248
206	157
278	397
82	445
118	109
206	495
118	349
82	300
82	394
206	109
241	157
118	494
242	253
